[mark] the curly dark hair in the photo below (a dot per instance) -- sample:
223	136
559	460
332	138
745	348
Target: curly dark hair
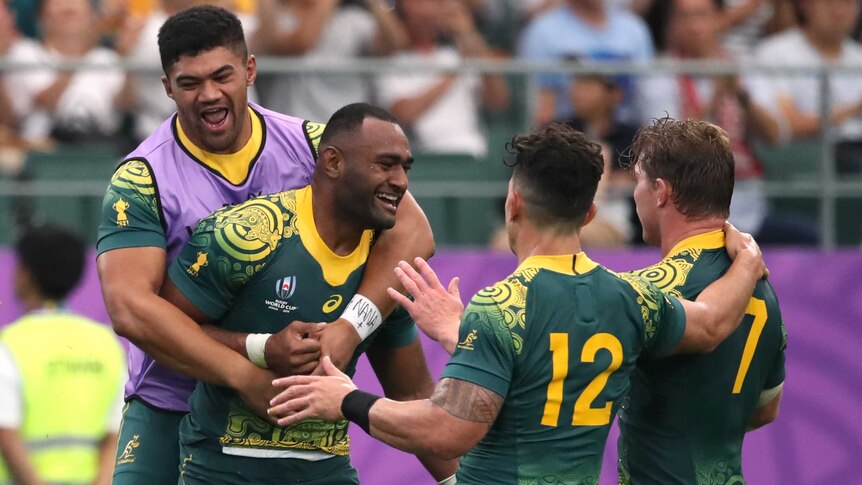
199	29
557	171
695	157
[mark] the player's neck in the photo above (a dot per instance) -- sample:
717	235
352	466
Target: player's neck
339	234
673	233
531	241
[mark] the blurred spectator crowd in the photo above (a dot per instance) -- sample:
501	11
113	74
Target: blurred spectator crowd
449	112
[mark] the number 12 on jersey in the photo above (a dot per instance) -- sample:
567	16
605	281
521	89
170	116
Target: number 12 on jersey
584	414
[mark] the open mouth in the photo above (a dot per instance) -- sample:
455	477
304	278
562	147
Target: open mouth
389	200
215	118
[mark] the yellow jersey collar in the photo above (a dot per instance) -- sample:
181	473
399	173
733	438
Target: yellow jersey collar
336	269
561	263
707	240
234	167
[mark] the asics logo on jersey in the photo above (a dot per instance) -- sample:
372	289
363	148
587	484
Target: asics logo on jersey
467	343
332	303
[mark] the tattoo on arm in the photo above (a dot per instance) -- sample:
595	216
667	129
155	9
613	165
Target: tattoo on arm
467	401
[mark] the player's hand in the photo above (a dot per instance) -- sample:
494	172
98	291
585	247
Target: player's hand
295	350
257	390
436	310
311	397
742	245
338	341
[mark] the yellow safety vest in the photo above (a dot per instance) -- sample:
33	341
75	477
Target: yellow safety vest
71	371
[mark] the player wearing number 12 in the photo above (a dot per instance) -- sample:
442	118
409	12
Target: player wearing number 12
687	415
543	358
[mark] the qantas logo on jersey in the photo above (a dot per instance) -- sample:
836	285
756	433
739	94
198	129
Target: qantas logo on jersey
284	289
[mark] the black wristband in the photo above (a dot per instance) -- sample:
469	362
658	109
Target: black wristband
356	405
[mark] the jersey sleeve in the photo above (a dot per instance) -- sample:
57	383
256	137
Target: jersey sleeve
398	330
130	210
669	327
485	353
217	261
662	315
776	371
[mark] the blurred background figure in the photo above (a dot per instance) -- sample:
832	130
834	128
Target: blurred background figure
595	100
68	106
582	29
823	37
61	375
326	31
693	32
442	111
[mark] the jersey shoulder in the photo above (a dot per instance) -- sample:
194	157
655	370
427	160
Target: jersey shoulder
504	306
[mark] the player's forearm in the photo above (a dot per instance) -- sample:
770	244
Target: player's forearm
232	340
723	304
172	338
411	237
418	427
14	453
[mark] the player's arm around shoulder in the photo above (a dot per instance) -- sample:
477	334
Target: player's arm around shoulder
411	237
719	308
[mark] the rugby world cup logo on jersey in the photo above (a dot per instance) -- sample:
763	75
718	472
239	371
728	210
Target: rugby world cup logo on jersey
284	289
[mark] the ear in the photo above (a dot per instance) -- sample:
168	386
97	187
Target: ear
167	84
251	71
591	214
664	192
514	206
331	161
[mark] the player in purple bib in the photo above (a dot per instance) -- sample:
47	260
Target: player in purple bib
218	149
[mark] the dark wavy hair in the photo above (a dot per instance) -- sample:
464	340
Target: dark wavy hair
557	171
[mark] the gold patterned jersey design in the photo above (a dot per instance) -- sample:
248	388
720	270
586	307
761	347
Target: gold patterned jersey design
670	274
250	231
134	180
313	132
246	430
507	302
648	298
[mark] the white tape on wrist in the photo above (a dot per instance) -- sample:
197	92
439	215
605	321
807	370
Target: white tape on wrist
363	314
255	345
449	481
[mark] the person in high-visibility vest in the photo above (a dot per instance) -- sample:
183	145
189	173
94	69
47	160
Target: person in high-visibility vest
61	374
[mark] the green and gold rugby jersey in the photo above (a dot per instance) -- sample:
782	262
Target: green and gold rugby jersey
256	267
686	415
557	339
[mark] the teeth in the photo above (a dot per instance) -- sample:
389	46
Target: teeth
389	197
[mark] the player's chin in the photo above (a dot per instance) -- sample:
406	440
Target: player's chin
383	220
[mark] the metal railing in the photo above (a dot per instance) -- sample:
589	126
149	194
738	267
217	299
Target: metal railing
825	189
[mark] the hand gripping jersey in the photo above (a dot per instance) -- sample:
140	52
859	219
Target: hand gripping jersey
255	268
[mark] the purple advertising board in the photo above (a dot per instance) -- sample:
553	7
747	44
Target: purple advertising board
818	436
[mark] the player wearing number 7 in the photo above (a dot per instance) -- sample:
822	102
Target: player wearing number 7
543	358
687	415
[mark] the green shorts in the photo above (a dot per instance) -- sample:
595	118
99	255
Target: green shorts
148	446
202	466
